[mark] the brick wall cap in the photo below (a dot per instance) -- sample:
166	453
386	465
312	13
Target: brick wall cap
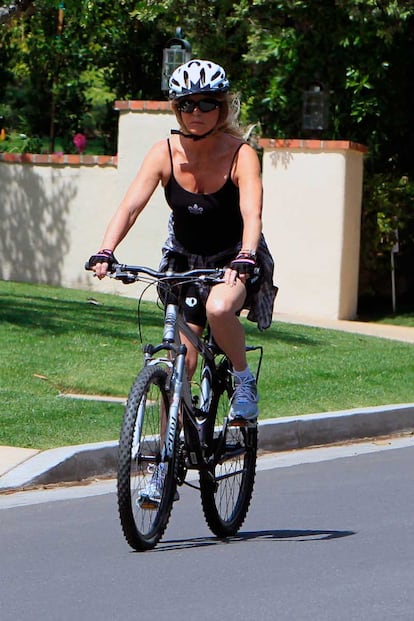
59	159
311	144
143	105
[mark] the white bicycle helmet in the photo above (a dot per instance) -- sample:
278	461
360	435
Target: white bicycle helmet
198	76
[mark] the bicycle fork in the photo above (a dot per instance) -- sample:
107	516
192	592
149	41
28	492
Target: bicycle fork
180	390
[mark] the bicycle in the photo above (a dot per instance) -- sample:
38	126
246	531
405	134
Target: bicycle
171	426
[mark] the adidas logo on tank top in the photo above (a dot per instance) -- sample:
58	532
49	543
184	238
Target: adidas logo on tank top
195	209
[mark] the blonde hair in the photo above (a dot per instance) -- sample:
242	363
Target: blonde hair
228	118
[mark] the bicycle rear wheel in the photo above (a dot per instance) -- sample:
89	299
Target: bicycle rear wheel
144	520
226	489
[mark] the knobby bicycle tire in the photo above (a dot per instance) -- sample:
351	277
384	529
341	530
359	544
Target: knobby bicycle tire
226	489
144	522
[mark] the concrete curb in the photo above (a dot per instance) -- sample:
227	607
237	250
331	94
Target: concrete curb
77	463
290	433
60	465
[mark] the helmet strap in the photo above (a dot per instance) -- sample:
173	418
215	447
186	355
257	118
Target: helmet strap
192	136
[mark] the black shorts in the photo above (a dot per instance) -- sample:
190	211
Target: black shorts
192	299
192	305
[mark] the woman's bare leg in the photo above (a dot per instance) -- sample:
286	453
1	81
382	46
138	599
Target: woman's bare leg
191	365
222	305
192	354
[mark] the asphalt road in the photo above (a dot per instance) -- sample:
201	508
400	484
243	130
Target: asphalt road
326	540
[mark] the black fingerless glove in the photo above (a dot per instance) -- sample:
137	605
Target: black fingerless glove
103	256
244	263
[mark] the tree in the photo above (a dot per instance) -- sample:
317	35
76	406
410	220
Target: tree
14	9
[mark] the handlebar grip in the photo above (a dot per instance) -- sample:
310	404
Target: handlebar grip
88	267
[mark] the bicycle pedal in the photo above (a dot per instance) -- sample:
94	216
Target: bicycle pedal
241	422
147	504
237	422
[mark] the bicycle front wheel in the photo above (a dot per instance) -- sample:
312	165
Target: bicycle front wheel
146	484
226	489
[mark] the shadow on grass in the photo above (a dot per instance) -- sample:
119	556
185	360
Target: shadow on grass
290	334
61	316
380	310
397	319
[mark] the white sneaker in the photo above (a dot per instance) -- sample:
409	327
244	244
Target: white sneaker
244	400
150	497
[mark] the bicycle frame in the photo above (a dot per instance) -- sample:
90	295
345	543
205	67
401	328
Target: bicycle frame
181	395
197	426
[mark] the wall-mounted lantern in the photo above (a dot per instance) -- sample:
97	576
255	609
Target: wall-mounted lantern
315	116
176	53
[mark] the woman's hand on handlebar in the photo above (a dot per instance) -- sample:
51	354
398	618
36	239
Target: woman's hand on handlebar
101	262
242	268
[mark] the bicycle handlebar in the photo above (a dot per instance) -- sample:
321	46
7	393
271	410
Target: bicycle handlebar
131	273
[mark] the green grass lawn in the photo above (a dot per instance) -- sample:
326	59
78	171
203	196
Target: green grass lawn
57	341
405	319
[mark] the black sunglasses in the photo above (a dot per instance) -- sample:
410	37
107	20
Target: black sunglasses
204	105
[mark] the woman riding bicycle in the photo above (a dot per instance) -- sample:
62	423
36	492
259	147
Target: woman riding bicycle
212	184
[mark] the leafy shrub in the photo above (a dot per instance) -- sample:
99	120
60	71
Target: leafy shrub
387	226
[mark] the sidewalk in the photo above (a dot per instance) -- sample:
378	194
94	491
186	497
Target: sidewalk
381	330
23	468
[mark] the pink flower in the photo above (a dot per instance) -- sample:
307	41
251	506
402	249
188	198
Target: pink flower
79	140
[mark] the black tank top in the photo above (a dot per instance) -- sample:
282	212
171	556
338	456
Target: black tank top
205	224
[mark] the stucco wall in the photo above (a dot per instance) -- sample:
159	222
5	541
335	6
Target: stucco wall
54	210
48	216
311	218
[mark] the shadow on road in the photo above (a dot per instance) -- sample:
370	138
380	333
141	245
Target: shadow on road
260	535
